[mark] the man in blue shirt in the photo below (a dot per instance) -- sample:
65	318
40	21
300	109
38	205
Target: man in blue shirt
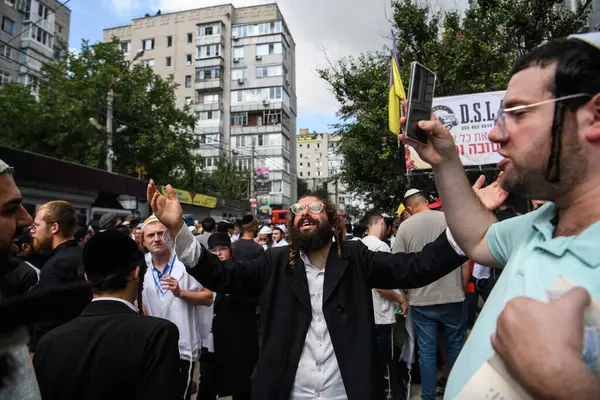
549	135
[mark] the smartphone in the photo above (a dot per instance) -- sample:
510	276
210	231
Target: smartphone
420	101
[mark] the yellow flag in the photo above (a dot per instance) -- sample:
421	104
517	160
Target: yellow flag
396	95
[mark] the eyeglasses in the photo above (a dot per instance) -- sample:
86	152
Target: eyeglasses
501	114
314	208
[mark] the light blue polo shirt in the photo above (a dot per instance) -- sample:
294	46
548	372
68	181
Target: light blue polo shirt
533	261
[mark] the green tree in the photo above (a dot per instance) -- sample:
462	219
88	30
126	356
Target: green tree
156	133
229	180
470	55
302	187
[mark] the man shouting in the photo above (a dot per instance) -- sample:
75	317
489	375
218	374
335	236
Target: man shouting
316	307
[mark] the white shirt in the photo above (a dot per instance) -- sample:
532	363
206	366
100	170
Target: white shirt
281	243
128	304
481	272
384	310
318	375
193	321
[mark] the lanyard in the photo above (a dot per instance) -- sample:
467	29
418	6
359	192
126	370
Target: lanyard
167	271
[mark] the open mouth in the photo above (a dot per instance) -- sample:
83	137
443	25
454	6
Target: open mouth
307	224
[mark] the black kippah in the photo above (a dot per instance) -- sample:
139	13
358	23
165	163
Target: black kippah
107	253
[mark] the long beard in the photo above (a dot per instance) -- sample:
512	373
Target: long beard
312	240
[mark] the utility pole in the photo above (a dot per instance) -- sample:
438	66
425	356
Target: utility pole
252	177
109	131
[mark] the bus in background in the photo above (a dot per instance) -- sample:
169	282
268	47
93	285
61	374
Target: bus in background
279	217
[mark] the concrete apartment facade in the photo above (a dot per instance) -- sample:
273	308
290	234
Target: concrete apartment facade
235	69
319	163
32	34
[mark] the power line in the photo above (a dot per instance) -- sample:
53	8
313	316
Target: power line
38	21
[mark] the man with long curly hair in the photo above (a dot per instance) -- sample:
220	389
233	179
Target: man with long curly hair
317	322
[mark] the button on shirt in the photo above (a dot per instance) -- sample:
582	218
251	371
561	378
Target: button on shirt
318	375
533	260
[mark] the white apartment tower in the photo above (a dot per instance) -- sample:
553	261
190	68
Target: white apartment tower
33	34
235	68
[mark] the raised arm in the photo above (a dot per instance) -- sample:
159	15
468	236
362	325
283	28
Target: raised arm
247	277
410	270
468	217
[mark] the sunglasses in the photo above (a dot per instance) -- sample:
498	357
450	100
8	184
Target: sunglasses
501	114
314	208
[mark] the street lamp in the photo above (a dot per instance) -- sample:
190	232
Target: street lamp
109	115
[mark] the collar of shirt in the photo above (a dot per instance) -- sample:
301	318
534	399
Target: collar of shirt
128	304
583	246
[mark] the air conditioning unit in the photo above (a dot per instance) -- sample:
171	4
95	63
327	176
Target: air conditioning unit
235	37
259	57
236	60
241	81
266	103
287	82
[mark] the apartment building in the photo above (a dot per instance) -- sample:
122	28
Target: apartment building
33	34
235	69
319	163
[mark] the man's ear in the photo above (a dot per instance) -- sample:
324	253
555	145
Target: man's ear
592	131
135	274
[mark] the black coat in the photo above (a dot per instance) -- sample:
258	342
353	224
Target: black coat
110	352
64	267
286	314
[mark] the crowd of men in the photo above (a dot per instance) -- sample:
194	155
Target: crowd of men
307	311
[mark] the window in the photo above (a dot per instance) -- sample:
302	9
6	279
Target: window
301	174
4	78
8	25
318	173
188	59
318	147
256	95
209	98
264	28
208	31
276	186
188	101
168	62
318	154
189	38
59	28
210	161
208	115
188	81
263	72
212	50
300	165
43	11
308	173
266	49
148	44
212	72
126	48
41	35
169	41
148	63
308	164
238	52
5	51
241	73
300	153
239	118
308	146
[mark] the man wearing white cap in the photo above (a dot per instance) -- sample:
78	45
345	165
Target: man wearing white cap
548	129
265	237
279	236
171	293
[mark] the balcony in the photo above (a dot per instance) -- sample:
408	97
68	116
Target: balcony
208	40
216	106
261	106
242	130
209	84
210	62
205	127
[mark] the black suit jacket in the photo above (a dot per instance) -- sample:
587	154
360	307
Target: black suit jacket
110	352
347	305
64	267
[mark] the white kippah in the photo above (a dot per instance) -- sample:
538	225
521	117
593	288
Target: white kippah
4	167
151	219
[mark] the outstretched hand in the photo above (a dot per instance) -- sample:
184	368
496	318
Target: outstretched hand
440	145
168	211
492	196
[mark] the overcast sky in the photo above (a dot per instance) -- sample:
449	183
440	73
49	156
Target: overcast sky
340	27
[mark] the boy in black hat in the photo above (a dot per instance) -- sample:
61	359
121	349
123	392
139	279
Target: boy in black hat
111	351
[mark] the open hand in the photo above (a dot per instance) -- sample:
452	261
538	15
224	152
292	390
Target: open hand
492	196
168	211
439	148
